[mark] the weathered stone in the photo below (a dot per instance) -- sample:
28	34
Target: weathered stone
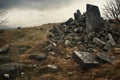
51	68
10	71
104	57
85	59
38	57
68	43
99	42
67	57
93	18
107	46
4	49
70	20
49	47
77	15
113	43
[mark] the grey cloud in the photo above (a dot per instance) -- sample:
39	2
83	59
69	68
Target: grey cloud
36	4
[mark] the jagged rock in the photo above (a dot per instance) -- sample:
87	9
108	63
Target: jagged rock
85	59
77	15
104	57
113	43
93	18
99	42
83	17
107	46
10	71
38	57
4	49
69	21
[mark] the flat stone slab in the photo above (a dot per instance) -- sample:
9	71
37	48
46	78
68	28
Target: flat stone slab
104	57
85	59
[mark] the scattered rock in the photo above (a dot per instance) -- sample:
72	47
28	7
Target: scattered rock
10	71
85	59
99	42
77	15
4	49
107	46
51	68
104	57
69	21
68	43
38	57
113	43
67	57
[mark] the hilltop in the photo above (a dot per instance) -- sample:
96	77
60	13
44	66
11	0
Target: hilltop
46	52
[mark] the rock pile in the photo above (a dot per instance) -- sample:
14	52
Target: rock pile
88	30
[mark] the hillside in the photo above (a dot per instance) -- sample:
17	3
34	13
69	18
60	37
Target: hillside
46	52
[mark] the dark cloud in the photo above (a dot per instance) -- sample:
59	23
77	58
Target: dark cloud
36	4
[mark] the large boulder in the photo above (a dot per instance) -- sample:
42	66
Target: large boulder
93	18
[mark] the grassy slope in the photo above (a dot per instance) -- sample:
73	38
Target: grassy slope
33	38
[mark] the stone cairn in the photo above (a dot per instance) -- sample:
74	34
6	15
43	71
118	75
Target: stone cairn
88	30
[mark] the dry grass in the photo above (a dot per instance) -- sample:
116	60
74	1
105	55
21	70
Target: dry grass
34	39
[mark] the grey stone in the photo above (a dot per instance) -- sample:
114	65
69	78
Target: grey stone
68	43
51	68
49	47
113	43
99	42
38	57
4	49
10	71
107	46
104	57
85	59
93	18
70	20
77	15
67	57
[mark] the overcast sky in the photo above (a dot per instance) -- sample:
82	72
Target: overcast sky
25	13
